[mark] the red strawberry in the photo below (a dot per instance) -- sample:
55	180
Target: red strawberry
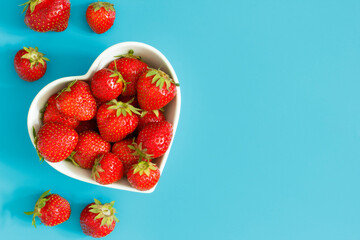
98	220
100	16
87	125
132	100
155	89
77	101
143	176
130	68
55	141
107	84
30	64
52	114
116	120
126	152
149	117
47	15
89	146
107	169
51	209
155	138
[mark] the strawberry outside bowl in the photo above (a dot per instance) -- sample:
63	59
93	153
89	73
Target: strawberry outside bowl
154	58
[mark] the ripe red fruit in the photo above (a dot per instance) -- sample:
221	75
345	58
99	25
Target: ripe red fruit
132	100
126	153
55	141
155	89
98	220
77	101
87	125
89	146
107	84
116	120
100	16
51	209
143	176
30	64
107	169
156	138
52	114
47	15
130	67
149	117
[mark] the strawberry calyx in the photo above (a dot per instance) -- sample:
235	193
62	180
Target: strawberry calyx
160	78
67	89
41	158
143	167
34	56
130	54
107	6
71	158
117	74
97	168
32	4
139	151
156	112
123	108
40	203
106	212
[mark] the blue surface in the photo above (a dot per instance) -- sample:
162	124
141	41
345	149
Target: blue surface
268	140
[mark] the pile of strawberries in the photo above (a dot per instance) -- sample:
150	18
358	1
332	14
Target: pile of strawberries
113	124
96	219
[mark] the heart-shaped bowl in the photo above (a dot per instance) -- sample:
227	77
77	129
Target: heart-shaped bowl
154	58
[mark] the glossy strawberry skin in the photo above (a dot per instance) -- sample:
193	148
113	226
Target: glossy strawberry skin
25	71
91	226
49	15
114	128
124	153
89	146
151	97
129	98
104	87
56	210
143	182
52	114
112	169
87	125
55	142
100	21
156	138
78	102
149	118
130	69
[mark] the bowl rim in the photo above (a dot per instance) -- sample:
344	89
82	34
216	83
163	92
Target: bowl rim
86	76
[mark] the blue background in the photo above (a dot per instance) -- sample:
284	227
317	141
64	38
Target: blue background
268	140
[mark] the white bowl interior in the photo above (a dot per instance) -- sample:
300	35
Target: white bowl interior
153	58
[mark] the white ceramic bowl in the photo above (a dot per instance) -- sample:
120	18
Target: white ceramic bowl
153	58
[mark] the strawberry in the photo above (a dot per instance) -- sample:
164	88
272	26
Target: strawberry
100	16
47	15
77	101
52	114
155	138
125	150
149	117
155	89
107	84
130	67
55	141
107	169
30	64
89	146
132	100
143	176
116	120
87	125
98	220
52	209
